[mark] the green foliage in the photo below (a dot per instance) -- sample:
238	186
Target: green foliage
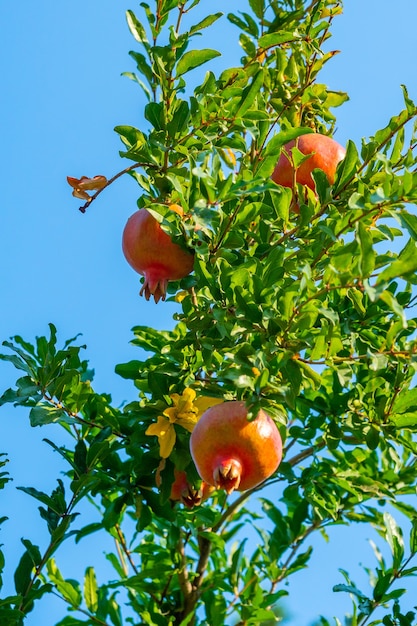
309	315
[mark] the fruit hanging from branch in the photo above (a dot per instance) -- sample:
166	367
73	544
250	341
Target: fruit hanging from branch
230	452
323	152
153	254
183	491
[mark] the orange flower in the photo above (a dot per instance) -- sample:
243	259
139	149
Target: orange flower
185	412
84	184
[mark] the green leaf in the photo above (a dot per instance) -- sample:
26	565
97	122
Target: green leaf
88	530
155	114
276	39
45	499
395	539
71	621
47	414
30	559
180	118
311	374
413	536
28	366
258	7
131	370
372	438
404	420
410	106
90	590
273	147
382	585
409	221
249	95
150	339
69	589
346	170
80	457
136	28
350	589
387	297
273	150
406	402
405	263
26	393
207	21
366	250
194	58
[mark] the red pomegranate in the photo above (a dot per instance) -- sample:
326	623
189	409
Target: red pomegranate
152	253
182	491
230	452
325	153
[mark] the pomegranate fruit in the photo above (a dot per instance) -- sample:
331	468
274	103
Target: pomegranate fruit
152	253
325	153
182	491
230	452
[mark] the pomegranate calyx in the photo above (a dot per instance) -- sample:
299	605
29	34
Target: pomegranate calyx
156	288
227	475
191	497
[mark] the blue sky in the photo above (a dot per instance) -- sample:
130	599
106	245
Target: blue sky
62	95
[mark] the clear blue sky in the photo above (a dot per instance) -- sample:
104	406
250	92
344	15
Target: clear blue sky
62	94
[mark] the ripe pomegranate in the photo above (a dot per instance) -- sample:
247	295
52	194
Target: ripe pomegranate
182	491
230	452
325	153
152	253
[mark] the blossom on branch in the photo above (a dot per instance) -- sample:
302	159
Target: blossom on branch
185	412
84	184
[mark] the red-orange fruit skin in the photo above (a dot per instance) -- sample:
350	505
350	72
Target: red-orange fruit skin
325	152
224	438
152	253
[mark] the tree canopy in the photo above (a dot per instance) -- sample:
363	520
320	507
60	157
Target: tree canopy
301	303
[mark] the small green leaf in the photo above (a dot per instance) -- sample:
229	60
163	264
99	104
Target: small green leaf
90	590
350	589
276	39
366	250
155	114
194	58
347	168
411	107
80	457
207	21
413	536
372	438
274	146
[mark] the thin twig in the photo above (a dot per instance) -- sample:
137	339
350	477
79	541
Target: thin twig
111	180
125	549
